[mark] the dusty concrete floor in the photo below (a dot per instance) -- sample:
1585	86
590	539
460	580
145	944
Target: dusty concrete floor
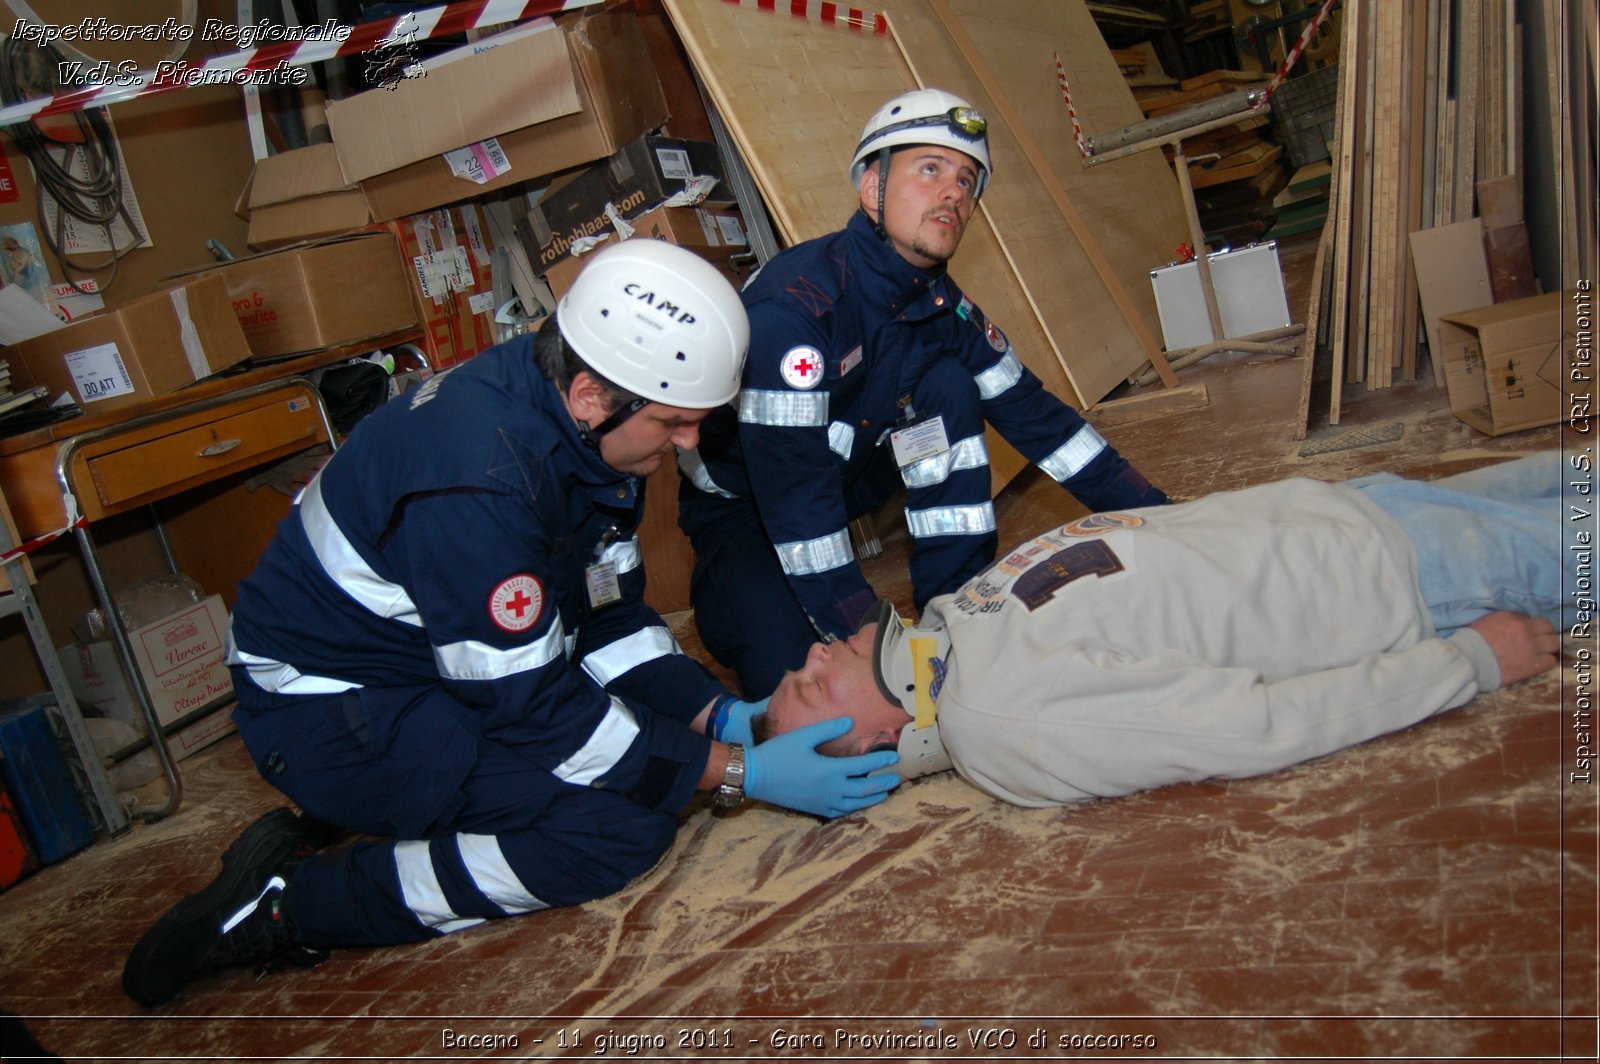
1430	894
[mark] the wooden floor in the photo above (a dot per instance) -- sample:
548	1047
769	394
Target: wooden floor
1430	894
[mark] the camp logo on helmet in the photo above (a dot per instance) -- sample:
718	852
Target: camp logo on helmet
665	306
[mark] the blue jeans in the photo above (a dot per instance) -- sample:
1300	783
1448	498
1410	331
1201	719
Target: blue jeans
1486	540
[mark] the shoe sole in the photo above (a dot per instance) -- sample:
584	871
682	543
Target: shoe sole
172	953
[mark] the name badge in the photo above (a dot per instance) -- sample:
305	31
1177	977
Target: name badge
922	439
601	580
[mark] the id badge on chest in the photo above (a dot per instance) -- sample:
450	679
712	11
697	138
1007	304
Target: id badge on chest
601	581
600	575
918	440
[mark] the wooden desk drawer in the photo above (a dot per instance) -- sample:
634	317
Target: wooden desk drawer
234	441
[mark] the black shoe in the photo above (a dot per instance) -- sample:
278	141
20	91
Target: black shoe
234	922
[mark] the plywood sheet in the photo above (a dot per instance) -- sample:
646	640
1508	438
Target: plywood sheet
796	93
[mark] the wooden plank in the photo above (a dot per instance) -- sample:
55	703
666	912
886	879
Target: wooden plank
1418	183
1386	146
1444	147
1136	408
1230	76
1252	163
1342	192
1316	301
1430	113
1466	55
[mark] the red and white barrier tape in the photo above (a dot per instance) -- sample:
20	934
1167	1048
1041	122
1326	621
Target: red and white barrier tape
1294	53
403	29
29	546
823	11
1072	112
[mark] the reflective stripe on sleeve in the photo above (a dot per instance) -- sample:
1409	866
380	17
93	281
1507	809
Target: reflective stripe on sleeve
493	875
1069	459
842	439
970	453
1000	376
419	886
624	553
951	521
606	745
691	465
614	659
472	660
806	557
783	409
345	566
278	678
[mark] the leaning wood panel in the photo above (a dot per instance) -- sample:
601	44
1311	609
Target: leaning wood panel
796	93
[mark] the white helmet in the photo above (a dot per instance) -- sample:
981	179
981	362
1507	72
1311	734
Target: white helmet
659	321
926	116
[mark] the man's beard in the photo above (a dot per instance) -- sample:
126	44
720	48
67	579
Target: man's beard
936	254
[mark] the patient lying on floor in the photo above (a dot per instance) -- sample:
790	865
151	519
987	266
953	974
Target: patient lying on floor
1230	636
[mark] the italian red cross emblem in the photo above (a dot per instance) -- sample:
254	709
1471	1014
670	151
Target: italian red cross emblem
802	367
517	603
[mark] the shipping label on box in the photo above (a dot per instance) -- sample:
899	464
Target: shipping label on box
1505	365
138	350
180	660
449	255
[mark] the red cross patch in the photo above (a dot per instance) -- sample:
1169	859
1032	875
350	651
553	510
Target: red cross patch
997	339
802	367
516	605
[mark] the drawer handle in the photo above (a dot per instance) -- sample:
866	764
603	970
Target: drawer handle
220	447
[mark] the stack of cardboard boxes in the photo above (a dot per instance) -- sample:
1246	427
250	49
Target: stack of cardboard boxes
411	157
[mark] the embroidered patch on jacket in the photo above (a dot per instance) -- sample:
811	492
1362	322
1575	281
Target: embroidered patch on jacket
1100	524
850	361
964	309
801	367
1039	585
517	604
997	339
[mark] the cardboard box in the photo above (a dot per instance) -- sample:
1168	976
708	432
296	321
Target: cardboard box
713	235
636	178
180	660
141	349
449	256
621	99
302	195
504	86
311	296
1505	364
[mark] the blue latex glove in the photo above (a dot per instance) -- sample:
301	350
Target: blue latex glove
788	771
737	727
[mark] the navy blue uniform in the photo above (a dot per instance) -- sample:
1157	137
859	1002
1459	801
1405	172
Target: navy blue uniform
417	655
849	342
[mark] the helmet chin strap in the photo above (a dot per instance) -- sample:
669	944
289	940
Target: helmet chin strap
591	436
883	191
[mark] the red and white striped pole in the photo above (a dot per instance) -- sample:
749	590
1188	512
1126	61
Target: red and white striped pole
410	27
823	11
1072	112
1294	53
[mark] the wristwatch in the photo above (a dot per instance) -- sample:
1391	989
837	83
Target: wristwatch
730	795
